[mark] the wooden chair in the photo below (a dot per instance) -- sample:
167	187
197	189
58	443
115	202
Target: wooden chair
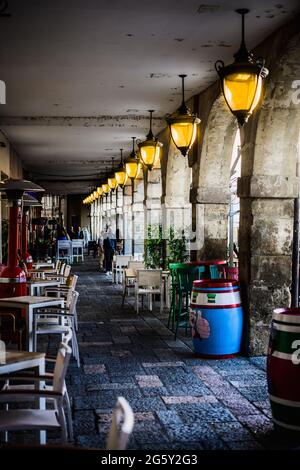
121	425
39	419
148	282
59	321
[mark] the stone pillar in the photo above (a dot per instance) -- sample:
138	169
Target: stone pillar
212	206
153	198
265	241
138	218
127	219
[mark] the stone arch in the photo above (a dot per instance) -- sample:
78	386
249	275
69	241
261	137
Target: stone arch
212	193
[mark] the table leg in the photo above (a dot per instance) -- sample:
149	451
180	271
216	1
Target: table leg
41	401
29	325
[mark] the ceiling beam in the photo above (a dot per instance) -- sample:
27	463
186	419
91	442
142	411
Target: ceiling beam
130	120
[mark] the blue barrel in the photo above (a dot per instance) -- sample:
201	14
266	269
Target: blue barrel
216	318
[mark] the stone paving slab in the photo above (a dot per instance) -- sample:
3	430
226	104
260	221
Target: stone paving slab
180	401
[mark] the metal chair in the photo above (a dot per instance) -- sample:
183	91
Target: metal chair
56	320
39	419
185	277
119	264
77	250
148	282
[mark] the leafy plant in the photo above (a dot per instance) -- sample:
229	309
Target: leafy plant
153	254
177	247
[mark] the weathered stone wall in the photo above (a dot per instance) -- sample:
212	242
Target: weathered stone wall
267	189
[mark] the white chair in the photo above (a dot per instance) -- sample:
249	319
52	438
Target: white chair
121	425
77	250
135	265
63	274
29	377
148	282
59	321
65	291
39	419
64	250
119	264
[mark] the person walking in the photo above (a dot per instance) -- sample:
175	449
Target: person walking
109	246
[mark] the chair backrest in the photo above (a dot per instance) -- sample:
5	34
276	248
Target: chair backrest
135	265
121	425
62	268
77	243
61	366
149	278
187	275
73	302
173	270
122	261
67	270
57	265
214	272
72	281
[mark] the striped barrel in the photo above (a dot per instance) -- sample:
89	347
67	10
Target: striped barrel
283	368
216	318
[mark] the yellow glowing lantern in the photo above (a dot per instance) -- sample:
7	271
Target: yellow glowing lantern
100	190
120	173
132	163
241	81
105	188
183	125
112	182
150	148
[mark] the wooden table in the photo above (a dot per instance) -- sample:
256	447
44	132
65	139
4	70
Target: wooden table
29	303
35	285
13	361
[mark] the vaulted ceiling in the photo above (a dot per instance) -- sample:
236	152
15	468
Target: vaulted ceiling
81	75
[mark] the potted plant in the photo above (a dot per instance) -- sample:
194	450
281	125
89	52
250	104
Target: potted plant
153	253
177	247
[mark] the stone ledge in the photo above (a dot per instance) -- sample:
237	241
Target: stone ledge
268	186
209	195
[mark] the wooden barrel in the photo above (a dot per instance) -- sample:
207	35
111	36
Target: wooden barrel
216	318
283	368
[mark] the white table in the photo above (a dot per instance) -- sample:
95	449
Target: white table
12	361
29	303
36	285
42	265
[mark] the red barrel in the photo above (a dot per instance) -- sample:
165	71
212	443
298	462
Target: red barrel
283	368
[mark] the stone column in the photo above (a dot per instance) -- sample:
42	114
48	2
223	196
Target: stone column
211	206
265	241
153	198
127	219
138	218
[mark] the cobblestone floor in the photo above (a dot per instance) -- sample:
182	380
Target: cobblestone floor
180	402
